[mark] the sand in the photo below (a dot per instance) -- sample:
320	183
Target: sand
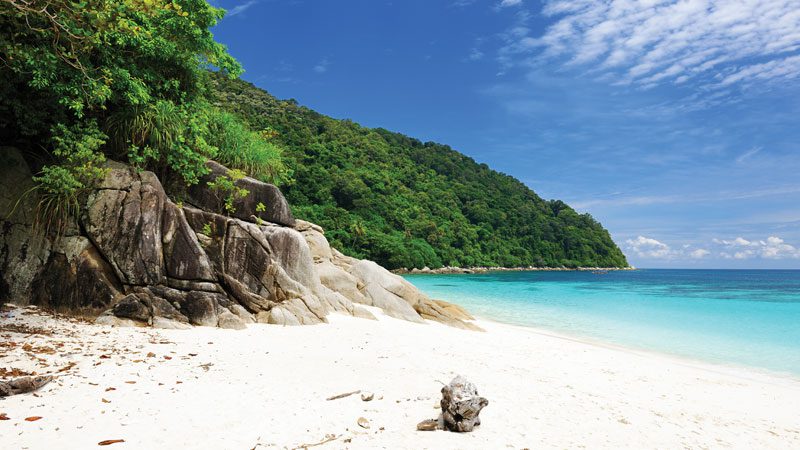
266	387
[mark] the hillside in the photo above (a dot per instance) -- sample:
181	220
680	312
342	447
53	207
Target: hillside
405	203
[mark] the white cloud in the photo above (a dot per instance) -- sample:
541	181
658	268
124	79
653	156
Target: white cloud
506	3
475	55
238	9
718	43
322	66
645	247
738	248
748	154
772	247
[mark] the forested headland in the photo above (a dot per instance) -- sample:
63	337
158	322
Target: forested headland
143	81
405	203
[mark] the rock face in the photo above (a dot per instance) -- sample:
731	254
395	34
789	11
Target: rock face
140	259
276	207
461	405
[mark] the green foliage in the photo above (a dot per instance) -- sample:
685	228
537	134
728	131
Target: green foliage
60	187
226	190
241	148
207	229
260	208
405	203
136	67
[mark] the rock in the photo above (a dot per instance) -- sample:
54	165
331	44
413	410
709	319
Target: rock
22	255
362	313
363	422
367	396
169	324
130	307
201	308
75	278
125	226
428	425
276	207
109	319
445	313
461	405
231	321
385	290
184	258
137	258
242	313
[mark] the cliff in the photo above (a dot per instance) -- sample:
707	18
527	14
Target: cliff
133	256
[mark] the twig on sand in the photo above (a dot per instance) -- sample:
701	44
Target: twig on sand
346	394
23	385
328	438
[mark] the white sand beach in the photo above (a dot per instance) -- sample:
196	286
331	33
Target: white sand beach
266	387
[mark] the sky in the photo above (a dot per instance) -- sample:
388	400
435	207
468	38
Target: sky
673	123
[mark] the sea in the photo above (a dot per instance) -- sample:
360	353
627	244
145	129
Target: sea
745	318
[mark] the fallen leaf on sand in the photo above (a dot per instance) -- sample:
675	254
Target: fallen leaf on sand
105	401
67	367
3	416
151	355
167	357
111	441
131	382
111	389
32	418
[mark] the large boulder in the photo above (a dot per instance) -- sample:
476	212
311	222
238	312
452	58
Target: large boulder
276	208
367	283
22	255
75	278
123	221
184	257
385	290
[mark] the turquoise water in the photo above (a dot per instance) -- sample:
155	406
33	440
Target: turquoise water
739	317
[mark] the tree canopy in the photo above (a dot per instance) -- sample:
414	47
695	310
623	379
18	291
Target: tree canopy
144	81
406	203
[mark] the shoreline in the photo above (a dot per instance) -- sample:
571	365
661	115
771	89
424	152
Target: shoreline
727	368
266	387
480	269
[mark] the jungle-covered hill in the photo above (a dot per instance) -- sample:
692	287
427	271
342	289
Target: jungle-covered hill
405	203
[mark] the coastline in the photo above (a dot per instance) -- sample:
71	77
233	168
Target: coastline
727	368
266	387
480	269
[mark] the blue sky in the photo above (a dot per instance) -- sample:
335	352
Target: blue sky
674	123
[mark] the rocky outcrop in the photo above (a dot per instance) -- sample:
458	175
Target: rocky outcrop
139	258
276	208
367	283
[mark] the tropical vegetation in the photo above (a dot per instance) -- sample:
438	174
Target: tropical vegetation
145	82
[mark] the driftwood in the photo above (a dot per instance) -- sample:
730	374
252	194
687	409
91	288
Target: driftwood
346	394
23	385
461	405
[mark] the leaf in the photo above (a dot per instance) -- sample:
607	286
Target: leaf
3	416
32	418
111	441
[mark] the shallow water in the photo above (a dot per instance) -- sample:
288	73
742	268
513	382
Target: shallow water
740	317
